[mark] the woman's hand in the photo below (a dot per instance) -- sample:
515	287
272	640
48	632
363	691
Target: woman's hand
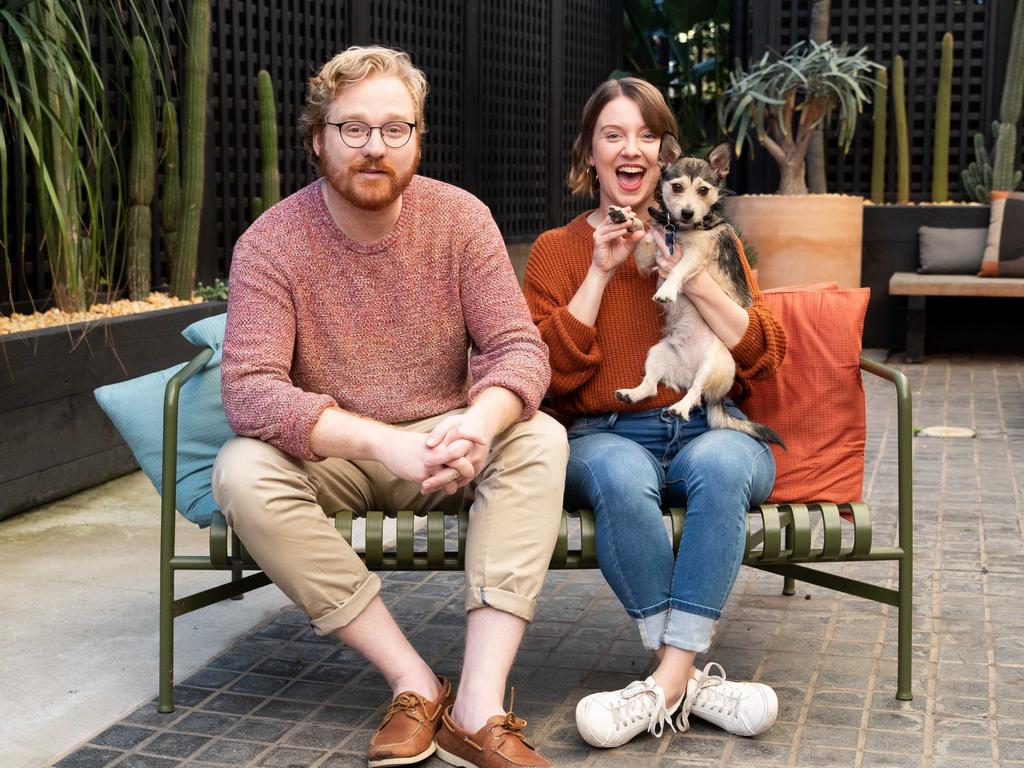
613	243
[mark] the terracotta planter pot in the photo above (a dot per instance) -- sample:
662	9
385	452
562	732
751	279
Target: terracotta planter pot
802	238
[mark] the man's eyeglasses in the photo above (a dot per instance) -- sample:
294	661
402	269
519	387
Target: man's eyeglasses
356	133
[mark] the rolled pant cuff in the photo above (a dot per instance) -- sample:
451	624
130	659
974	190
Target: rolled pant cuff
689	631
503	600
348	610
652	629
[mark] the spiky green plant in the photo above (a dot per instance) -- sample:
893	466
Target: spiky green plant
977	177
943	101
193	137
270	174
878	148
56	132
781	99
170	199
899	111
141	174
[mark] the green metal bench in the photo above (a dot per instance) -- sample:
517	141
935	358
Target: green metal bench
781	538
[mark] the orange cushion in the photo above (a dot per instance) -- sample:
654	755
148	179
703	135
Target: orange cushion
816	399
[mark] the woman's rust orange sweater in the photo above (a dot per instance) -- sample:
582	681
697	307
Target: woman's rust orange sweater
588	363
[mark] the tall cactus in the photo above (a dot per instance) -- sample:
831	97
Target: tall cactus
193	136
880	135
1006	150
170	201
977	177
899	109
940	149
141	173
270	175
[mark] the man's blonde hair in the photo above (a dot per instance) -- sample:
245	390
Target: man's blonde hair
351	66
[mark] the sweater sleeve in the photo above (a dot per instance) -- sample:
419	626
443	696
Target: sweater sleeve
760	352
507	349
260	399
575	353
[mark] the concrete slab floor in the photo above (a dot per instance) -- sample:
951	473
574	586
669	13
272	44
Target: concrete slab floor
79	607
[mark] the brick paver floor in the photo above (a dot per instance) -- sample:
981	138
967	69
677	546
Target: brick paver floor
283	697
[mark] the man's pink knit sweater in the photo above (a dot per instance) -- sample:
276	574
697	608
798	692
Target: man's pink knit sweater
317	320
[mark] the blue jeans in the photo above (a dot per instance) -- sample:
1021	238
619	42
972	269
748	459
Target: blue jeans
625	466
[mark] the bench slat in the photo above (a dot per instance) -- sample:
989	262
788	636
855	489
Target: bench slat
913	284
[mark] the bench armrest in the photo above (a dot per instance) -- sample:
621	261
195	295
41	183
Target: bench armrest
169	470
904	448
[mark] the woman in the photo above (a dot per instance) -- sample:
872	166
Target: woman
596	314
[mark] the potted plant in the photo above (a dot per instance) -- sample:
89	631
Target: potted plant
778	103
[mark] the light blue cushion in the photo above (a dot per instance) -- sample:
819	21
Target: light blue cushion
136	408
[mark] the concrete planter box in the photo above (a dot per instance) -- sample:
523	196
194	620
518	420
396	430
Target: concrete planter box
890	245
54	439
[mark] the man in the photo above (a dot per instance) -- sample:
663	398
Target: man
352	306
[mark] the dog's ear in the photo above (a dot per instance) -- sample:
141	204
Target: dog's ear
670	150
719	159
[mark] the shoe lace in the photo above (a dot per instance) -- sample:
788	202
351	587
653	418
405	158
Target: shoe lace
637	704
726	701
405	702
512	725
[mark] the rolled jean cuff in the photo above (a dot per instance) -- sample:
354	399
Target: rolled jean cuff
503	600
348	610
689	631
652	629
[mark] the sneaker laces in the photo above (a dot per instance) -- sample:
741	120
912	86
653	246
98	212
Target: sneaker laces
635	706
720	701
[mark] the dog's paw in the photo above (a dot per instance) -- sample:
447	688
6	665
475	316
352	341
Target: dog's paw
616	214
623	395
676	412
664	296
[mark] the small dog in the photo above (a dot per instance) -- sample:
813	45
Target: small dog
691	356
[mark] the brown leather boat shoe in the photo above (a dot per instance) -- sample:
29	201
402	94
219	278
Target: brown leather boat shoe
406	735
499	744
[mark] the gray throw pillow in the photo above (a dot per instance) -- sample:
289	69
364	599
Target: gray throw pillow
951	251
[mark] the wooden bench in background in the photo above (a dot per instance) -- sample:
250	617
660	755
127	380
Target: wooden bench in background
917	287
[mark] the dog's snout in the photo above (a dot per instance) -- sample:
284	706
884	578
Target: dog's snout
686	214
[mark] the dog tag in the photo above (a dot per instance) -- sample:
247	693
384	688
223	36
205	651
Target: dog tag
670	238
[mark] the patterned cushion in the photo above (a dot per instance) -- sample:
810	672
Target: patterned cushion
816	399
136	408
1004	251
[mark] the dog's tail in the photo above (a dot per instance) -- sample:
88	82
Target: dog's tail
719	418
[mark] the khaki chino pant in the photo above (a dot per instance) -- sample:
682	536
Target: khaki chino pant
280	508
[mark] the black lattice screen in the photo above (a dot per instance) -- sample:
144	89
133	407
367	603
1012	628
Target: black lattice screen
913	29
507	82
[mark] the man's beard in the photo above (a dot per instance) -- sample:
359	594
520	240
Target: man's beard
375	196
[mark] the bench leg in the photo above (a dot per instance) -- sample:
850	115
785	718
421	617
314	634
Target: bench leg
788	582
166	672
905	630
915	328
236	575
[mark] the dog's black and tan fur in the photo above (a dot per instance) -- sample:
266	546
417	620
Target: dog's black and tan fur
691	356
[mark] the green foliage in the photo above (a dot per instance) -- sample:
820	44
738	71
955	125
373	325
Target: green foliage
782	98
170	200
681	46
943	101
57	130
878	148
270	174
141	173
899	109
193	137
216	292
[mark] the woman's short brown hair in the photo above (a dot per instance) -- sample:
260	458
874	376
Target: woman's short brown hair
653	109
351	66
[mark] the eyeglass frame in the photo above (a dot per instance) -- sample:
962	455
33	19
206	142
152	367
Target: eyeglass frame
380	128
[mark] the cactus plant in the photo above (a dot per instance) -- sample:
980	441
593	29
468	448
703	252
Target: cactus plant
940	147
899	110
880	135
997	172
141	173
193	136
170	201
270	175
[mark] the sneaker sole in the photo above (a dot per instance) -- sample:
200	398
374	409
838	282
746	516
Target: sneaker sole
451	759
383	763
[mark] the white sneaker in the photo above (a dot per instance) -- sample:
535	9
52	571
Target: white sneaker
744	709
611	718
